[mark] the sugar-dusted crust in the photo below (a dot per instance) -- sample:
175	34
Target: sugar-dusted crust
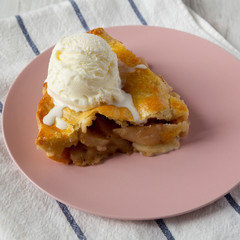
152	97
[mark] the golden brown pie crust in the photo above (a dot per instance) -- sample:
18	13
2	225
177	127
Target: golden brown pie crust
154	100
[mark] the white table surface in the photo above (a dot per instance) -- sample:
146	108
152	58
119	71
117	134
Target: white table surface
223	15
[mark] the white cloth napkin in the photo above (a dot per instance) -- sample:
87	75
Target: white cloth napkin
28	213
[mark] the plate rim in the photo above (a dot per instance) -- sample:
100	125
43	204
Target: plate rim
77	207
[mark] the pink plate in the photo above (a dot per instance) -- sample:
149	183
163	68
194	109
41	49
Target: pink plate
135	187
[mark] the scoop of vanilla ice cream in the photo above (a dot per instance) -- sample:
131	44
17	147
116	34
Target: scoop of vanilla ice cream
83	72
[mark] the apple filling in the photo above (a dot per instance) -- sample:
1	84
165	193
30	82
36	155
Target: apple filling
105	137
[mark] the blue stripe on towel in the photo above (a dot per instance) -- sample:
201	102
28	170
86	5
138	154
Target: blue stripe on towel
232	202
165	229
229	198
1	107
137	12
79	14
26	35
62	206
72	222
159	222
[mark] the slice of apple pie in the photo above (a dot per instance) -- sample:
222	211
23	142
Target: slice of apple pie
141	113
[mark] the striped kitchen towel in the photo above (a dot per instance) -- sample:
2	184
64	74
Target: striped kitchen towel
26	213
